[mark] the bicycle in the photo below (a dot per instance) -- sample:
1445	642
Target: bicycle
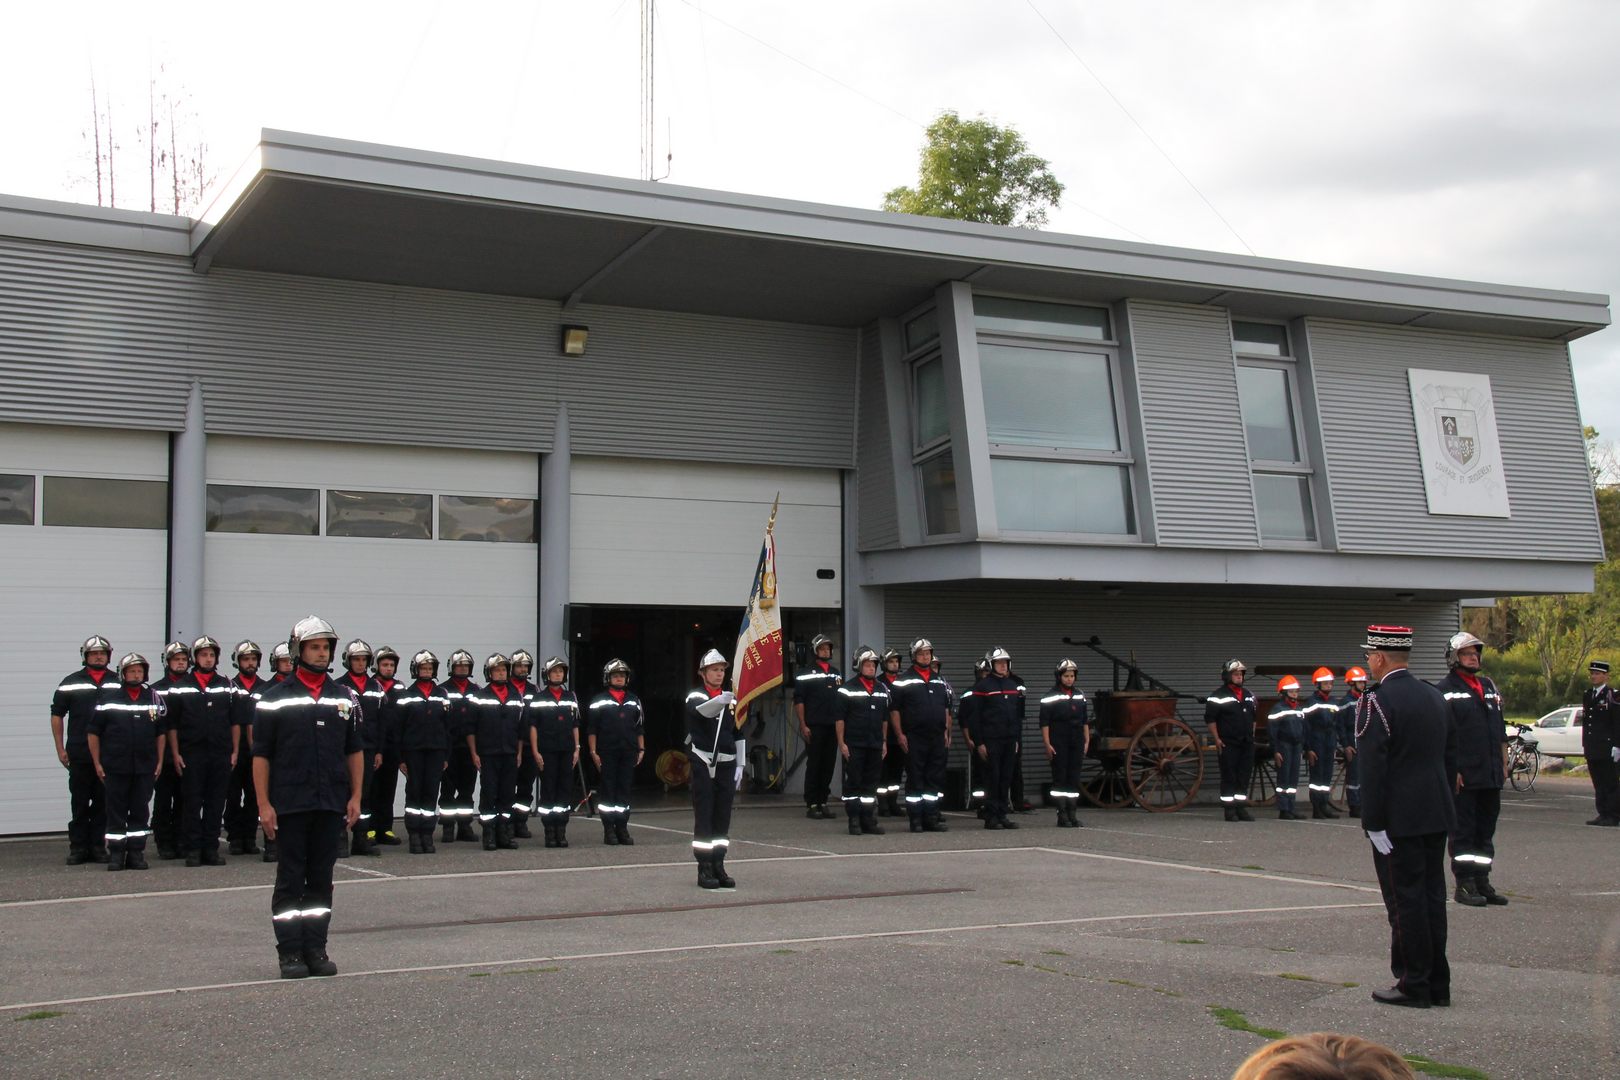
1524	759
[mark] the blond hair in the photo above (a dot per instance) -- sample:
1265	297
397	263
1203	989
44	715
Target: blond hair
1324	1055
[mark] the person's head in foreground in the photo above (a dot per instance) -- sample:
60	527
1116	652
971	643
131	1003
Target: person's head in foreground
1324	1055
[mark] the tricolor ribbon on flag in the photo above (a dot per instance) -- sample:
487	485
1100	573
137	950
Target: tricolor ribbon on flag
758	665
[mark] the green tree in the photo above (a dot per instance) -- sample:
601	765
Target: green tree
975	170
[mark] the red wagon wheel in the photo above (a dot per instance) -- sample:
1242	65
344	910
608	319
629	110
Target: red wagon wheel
1102	779
1164	765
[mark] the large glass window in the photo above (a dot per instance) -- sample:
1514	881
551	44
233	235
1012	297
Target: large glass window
387	514
922	330
1284	505
1000	315
96	502
1268	394
469	517
1048	397
1268	413
1033	495
933	422
283	511
938	477
16	499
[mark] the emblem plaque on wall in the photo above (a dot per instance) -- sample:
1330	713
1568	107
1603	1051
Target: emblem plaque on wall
1455	416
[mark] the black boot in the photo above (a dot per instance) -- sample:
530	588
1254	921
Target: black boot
193	858
720	875
416	843
1007	824
78	856
319	964
854	825
135	859
622	827
932	822
869	824
1230	811
562	832
212	857
706	878
269	852
916	823
551	831
520	828
1243	813
1317	809
236	847
249	847
1468	893
115	860
293	966
503	836
488	830
364	846
1074	816
1482	883
449	832
464	832
427	841
387	838
610	835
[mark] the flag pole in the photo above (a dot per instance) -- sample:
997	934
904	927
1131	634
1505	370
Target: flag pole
770	525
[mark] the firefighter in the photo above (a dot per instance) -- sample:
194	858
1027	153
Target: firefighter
894	759
1286	725
1600	739
862	741
920	708
528	770
125	737
717	755
498	727
385	779
166	799
356	676
420	731
964	715
1229	715
204	734
460	777
615	727
1066	737
816	704
554	742
72	706
241	804
1321	716
308	769
1481	734
1356	679
996	724
281	662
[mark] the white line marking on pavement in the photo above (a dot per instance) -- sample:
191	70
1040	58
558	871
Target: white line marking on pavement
1211	870
706	947
756	843
364	870
1106	829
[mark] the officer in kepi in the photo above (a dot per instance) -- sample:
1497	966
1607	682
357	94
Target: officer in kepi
1600	740
717	755
1476	718
71	708
1406	747
307	769
1229	715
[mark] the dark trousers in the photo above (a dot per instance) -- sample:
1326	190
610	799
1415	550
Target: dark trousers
1001	755
362	824
87	820
422	776
1017	784
528	774
166	806
894	769
384	786
1473	843
556	785
497	778
241	801
129	803
202	797
1321	774
457	783
618	774
712	794
301	903
1236	762
1412	878
1352	783
820	756
862	771
1068	741
1287	775
925	773
1605	780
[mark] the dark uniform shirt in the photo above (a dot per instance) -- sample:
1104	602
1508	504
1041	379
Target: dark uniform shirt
1286	725
1407	753
421	717
247	696
128	726
1321	722
617	722
817	690
1229	712
75	700
1065	707
1481	732
923	701
709	736
204	713
998	708
555	718
369	692
866	711
499	722
459	714
307	736
1347	719
1600	720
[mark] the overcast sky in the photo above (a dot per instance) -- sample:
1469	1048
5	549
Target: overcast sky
1469	139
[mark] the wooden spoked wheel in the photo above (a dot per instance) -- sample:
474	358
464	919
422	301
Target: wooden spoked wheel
1102	779
1164	765
1263	778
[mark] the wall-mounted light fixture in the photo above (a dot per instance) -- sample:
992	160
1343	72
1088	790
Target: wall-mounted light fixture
1405	597
1111	590
573	340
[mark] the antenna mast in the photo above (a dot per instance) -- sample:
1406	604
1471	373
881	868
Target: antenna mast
647	89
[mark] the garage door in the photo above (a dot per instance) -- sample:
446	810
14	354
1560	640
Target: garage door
414	548
83	550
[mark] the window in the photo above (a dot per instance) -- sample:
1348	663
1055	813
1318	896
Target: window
1048	397
468	517
931	432
928	386
923	330
938	477
1062	497
1268	393
385	514
283	511
16	499
1000	315
98	503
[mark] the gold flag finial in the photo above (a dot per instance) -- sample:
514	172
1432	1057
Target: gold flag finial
771	524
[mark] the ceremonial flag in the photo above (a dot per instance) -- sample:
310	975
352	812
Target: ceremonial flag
758	666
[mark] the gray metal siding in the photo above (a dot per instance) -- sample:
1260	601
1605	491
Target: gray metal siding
1198	457
1371	443
876	518
1181	640
281	355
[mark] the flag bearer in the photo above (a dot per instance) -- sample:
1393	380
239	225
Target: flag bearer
997	721
711	736
554	741
126	734
385	779
894	758
72	706
1356	679
203	738
1321	715
1286	725
1229	715
615	727
356	676
460	777
166	799
241	804
1066	733
920	707
862	741
1476	717
498	727
528	770
816	704
421	731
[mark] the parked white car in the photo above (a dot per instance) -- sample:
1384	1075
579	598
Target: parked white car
1558	734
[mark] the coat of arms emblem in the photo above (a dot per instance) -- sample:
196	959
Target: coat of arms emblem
1459	434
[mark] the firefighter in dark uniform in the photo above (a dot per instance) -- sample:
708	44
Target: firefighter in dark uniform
1405	744
385	778
308	764
920	708
965	707
460	777
894	759
499	725
1229	715
126	739
615	726
1286	726
281	662
166	793
717	754
554	741
528	769
72	705
204	736
862	727
1600	741
815	703
1476	716
357	677
1356	679
1066	736
1321	716
420	729
241	804
997	722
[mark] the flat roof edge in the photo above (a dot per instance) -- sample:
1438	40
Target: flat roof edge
94	226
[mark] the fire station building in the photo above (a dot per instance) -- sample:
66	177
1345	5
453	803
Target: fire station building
453	403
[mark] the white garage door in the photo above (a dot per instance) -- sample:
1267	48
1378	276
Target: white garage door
413	548
687	533
60	583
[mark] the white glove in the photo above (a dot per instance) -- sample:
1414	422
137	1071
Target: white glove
742	755
1614	753
1381	842
716	705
